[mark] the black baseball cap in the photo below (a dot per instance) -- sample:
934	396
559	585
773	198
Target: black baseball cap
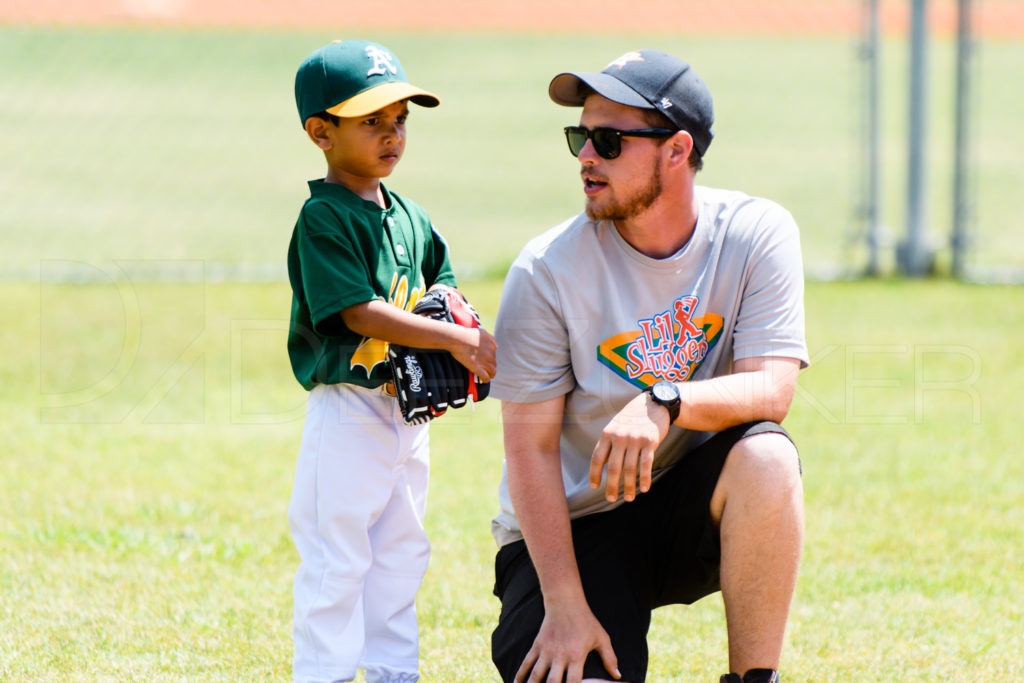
647	79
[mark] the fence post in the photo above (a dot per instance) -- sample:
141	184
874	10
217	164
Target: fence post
915	256
961	210
873	200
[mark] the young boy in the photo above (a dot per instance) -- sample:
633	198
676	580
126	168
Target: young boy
359	259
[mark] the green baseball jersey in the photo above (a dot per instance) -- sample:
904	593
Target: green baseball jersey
346	251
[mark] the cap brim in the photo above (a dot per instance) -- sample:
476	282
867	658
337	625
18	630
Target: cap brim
381	96
565	90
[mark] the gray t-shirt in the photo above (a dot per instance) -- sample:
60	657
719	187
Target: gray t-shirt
585	315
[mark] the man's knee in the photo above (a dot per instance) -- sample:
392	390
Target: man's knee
764	468
768	456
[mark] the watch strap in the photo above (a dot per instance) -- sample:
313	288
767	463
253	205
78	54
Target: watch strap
673	406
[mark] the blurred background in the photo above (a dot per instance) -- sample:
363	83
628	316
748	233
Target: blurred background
161	135
152	166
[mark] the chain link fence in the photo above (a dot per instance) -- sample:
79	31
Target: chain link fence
154	135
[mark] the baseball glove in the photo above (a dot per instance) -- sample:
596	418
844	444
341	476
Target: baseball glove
428	381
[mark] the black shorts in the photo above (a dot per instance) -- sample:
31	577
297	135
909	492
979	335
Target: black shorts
660	549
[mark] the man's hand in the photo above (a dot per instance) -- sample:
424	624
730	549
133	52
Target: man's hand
627	448
567	635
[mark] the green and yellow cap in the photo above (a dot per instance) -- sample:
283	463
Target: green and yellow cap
354	78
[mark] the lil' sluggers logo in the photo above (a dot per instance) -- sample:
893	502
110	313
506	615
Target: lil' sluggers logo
670	345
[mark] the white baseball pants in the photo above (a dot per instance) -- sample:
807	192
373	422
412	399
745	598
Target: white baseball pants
356	517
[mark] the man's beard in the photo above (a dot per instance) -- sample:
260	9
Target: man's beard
631	206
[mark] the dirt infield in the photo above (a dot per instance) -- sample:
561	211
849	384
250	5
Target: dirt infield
993	18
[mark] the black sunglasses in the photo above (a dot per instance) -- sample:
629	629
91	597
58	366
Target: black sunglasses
608	141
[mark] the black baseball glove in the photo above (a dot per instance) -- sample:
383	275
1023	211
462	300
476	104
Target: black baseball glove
429	381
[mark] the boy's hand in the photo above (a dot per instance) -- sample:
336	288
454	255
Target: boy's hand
477	353
475	348
428	382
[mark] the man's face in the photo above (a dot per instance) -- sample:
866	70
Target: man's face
626	186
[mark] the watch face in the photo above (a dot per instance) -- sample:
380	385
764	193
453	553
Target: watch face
665	391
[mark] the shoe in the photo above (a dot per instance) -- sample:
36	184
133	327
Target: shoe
752	676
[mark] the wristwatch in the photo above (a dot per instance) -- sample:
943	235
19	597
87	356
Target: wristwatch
666	393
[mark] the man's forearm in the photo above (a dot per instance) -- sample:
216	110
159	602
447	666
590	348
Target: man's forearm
534	468
538	497
744	396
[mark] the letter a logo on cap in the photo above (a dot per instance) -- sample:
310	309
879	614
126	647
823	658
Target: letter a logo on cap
625	59
381	61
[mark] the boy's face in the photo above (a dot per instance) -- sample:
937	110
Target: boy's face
366	146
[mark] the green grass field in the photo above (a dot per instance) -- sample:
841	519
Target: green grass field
186	145
147	470
150	428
